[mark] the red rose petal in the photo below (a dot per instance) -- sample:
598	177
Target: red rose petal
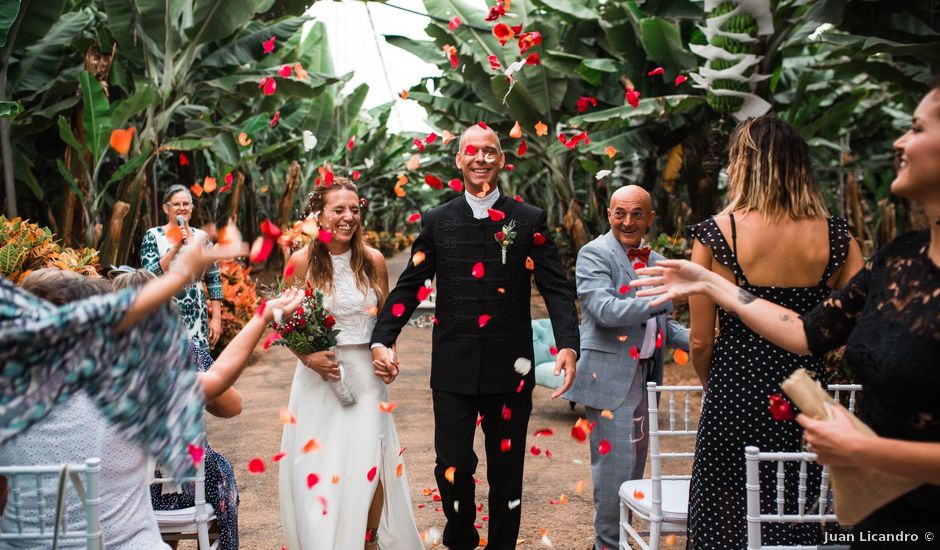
196	452
544	432
371	475
522	148
470	150
624	289
680	79
414	217
456	185
270	230
351	143
538	239
398	310
424	292
604	447
268	45
433	181
507	413
496	215
285	71
277	458
505	445
430	138
356	175
184	160
454	23
256	465
324	235
656	71
478	270
275	119
312	479
482	124
578	433
635	353
484	319
535	450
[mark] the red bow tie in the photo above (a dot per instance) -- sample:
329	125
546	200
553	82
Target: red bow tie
643	254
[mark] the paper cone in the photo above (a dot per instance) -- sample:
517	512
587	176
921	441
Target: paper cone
856	492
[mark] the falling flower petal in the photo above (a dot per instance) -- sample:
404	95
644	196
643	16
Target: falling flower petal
583	102
633	97
371	474
604	447
285	71
268	84
418	143
430	138
277	458
424	292
270	230
274	336
538	239
638	494
310	140
470	150
606	413
522	366
513	504
478	270
447	137
535	450
522	148
496	215
533	59
286	417
268	45
520	386
483	125
417	258
503	33
387	407
289	269
260	250
529	263
529	40
196	452
414	217
780	408
505	445
680	79
484	319
433	181
403	94
121	140
454	23
398	310
449	474
601	174
494	62
456	185
184	160
196	189
659	338
541	129
299	71
544	432
635	353
624	289
507	413
312	479
656	71
175	234
680	357
256	465
311	446
351	143
324	235
611	152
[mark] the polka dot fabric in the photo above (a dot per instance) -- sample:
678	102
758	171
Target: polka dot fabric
745	370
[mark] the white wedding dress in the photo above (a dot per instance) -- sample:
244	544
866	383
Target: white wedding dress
331	515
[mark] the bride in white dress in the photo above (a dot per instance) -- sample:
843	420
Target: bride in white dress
342	482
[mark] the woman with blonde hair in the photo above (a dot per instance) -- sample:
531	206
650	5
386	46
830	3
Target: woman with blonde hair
775	239
359	496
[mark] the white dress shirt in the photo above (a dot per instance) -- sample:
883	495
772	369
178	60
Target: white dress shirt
480	205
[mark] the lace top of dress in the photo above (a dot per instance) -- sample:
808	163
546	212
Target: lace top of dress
354	312
888	317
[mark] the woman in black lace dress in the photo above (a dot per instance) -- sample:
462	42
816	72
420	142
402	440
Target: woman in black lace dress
776	240
888	317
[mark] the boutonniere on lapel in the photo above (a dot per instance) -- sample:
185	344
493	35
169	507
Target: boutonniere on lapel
505	237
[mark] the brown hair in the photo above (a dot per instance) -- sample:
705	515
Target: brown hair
770	171
61	287
138	277
320	266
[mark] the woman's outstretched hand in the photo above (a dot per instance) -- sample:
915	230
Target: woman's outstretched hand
287	303
672	280
196	257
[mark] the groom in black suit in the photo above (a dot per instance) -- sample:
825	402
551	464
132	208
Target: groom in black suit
484	248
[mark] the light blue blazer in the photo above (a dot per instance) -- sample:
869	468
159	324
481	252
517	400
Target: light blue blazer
606	369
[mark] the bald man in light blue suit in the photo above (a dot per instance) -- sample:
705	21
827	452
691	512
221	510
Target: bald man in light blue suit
622	342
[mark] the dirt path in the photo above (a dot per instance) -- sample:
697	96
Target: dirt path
552	504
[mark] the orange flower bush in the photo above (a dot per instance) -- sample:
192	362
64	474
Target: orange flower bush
25	246
239	299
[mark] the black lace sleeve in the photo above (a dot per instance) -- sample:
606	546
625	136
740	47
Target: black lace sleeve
829	324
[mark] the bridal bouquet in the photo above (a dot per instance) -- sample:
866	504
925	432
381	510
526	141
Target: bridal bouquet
309	330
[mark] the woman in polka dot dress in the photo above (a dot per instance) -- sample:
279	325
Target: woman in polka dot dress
778	228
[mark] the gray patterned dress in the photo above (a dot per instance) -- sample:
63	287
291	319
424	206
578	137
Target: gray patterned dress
191	300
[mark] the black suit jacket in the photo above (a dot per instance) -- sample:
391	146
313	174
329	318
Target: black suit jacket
467	358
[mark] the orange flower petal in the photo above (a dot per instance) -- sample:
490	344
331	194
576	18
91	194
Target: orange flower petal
244	140
286	417
611	152
529	263
387	407
541	129
175	234
516	131
680	357
447	137
449	474
418	257
196	189
209	184
399	470
121	140
311	446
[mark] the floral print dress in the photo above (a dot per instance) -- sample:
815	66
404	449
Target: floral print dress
191	300
48	353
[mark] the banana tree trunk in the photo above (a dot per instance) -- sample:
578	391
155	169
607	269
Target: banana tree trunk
6	150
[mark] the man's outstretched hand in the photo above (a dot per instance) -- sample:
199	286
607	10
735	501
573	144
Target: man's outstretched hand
565	360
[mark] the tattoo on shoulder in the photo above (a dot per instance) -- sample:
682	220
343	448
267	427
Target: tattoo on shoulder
745	297
787	318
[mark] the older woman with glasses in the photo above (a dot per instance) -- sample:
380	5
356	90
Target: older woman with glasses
159	251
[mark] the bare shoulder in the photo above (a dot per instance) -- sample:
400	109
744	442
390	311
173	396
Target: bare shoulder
377	259
301	256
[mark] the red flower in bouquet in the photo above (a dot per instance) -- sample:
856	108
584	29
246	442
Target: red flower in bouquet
329	321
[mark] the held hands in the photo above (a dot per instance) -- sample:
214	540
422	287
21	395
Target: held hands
567	361
324	363
835	441
672	280
385	363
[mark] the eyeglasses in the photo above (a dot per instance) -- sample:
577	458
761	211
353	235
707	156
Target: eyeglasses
180	205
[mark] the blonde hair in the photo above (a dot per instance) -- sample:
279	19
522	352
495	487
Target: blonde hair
770	171
320	265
